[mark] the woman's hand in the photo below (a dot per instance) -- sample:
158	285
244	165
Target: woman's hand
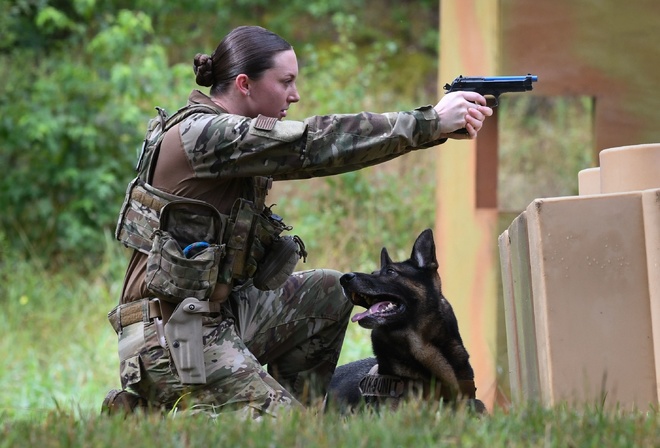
462	110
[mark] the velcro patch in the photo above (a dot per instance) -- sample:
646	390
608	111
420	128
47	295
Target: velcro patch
264	123
427	112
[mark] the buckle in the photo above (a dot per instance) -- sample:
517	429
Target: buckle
158	322
160	332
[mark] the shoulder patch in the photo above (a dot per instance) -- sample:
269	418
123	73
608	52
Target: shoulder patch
264	123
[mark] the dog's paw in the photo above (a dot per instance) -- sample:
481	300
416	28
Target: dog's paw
477	406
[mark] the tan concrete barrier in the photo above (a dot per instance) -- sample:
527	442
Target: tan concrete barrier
581	278
630	168
589	181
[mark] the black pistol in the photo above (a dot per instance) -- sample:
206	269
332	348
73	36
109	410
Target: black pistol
492	85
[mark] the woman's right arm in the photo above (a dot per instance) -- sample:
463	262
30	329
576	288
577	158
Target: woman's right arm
233	146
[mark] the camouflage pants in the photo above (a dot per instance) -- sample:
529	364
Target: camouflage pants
297	330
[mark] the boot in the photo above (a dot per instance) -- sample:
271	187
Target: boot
121	401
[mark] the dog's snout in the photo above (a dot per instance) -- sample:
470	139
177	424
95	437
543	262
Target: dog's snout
346	278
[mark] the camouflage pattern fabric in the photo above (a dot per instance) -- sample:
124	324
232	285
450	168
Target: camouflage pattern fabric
139	217
237	261
173	274
173	277
298	330
229	145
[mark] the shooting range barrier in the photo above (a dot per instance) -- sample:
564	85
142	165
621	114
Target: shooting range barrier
581	280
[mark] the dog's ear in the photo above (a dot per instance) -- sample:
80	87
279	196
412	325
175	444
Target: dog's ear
423	253
384	258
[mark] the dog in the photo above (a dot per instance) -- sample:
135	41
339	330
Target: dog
414	334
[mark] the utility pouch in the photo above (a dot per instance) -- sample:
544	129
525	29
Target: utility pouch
183	332
185	255
279	262
139	215
255	249
279	255
236	264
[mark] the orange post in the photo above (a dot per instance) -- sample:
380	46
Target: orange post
466	212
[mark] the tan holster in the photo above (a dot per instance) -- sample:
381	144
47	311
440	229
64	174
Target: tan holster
183	332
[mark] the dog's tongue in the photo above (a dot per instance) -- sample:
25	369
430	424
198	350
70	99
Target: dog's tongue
375	308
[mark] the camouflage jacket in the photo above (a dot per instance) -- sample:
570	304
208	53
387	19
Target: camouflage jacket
215	157
227	145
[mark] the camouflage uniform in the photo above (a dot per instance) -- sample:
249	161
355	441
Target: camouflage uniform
297	329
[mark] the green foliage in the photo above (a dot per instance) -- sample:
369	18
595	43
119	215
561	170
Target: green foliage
361	70
544	143
71	128
346	219
81	80
340	67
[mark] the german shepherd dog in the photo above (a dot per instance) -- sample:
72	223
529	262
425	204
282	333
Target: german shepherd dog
414	334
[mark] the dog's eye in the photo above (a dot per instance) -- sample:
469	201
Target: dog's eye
390	271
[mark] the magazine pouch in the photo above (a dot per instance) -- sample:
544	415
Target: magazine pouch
186	251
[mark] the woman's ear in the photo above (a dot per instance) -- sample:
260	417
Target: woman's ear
242	83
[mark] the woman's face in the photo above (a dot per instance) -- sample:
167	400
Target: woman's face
275	90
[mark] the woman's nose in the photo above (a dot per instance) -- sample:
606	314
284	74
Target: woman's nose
294	97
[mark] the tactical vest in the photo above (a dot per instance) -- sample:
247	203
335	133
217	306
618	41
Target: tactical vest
191	246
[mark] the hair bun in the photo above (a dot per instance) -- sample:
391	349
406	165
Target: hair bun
203	68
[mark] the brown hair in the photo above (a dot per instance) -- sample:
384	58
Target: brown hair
245	50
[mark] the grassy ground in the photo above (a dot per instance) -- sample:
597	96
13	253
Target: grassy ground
414	425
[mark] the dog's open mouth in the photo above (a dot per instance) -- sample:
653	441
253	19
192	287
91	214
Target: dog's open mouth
376	307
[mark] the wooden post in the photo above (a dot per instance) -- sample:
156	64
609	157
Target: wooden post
466	212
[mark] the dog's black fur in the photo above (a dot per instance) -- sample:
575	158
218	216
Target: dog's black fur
414	330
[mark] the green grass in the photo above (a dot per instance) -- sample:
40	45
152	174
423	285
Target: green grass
414	425
60	351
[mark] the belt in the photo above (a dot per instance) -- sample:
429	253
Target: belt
131	313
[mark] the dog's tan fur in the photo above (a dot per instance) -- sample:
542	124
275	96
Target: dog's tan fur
414	334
